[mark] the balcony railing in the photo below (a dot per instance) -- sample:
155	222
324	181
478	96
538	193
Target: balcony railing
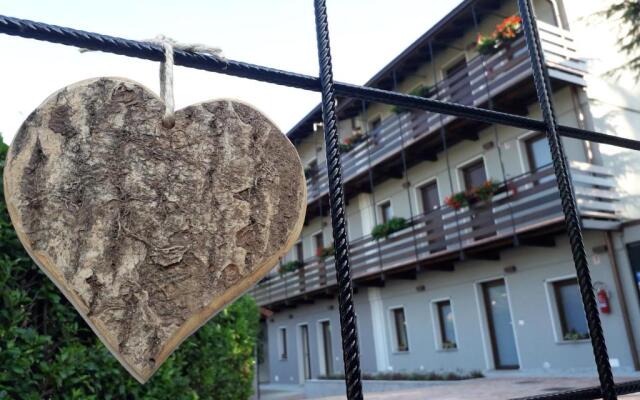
524	205
470	86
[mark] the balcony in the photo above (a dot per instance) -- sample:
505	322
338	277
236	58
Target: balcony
527	207
504	76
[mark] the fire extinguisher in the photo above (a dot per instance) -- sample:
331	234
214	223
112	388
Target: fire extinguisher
603	301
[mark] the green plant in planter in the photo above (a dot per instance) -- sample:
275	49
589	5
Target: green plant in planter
382	231
447	345
486	191
457	200
290	266
325	252
420	91
574	335
486	44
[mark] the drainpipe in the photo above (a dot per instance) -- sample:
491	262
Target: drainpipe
623	301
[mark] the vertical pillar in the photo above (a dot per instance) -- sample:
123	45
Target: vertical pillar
379	329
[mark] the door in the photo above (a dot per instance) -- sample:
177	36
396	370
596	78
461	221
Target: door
503	343
305	353
458	83
326	348
430	205
481	213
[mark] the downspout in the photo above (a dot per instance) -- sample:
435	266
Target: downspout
623	300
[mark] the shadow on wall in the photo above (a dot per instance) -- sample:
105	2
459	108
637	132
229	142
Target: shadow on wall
625	164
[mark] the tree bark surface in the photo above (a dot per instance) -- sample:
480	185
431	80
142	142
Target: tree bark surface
150	231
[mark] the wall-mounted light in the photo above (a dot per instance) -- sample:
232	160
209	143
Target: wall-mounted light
510	269
316	125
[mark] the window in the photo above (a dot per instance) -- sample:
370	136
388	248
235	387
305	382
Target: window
474	174
446	329
538	153
385	211
318	242
400	330
570	310
633	250
299	252
282	343
326	347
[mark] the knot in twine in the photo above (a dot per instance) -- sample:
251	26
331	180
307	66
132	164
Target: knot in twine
166	71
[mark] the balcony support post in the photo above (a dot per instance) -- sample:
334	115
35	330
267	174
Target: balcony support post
445	150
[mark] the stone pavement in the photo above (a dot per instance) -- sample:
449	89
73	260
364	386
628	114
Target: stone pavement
491	388
488	389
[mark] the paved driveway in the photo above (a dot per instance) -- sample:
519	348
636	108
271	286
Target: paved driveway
491	388
488	389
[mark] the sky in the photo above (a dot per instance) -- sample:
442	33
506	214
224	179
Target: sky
365	36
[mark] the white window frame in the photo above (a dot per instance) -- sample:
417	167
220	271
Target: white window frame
554	313
484	322
418	197
320	340
394	334
379	209
460	174
313	240
435	322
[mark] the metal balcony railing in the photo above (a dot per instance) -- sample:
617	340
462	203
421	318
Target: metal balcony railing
521	206
471	86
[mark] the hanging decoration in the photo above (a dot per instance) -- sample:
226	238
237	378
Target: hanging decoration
151	221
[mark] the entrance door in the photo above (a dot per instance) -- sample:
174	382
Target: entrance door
481	213
503	342
305	353
430	203
458	83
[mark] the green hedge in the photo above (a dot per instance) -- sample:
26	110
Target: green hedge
48	351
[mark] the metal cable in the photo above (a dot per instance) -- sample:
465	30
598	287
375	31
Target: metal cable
350	352
131	48
569	207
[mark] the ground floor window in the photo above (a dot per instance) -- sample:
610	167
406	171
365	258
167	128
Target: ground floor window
326	347
282	343
633	249
401	340
573	323
446	328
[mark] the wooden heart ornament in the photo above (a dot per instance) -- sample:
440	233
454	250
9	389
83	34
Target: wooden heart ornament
150	231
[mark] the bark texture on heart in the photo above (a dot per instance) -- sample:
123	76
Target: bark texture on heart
150	231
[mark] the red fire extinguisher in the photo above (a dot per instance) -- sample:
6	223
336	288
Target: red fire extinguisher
603	301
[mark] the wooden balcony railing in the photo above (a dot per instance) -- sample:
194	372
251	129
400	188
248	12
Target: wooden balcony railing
523	205
471	86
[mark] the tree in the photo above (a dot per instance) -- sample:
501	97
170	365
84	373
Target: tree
48	351
627	12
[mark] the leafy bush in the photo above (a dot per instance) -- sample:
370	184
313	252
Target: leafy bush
290	266
48	351
382	231
414	376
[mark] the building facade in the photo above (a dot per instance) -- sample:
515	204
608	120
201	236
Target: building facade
460	260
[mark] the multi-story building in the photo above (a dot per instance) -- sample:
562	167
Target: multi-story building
485	279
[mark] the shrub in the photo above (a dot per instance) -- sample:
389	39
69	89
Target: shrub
326	252
414	376
48	351
290	266
382	231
